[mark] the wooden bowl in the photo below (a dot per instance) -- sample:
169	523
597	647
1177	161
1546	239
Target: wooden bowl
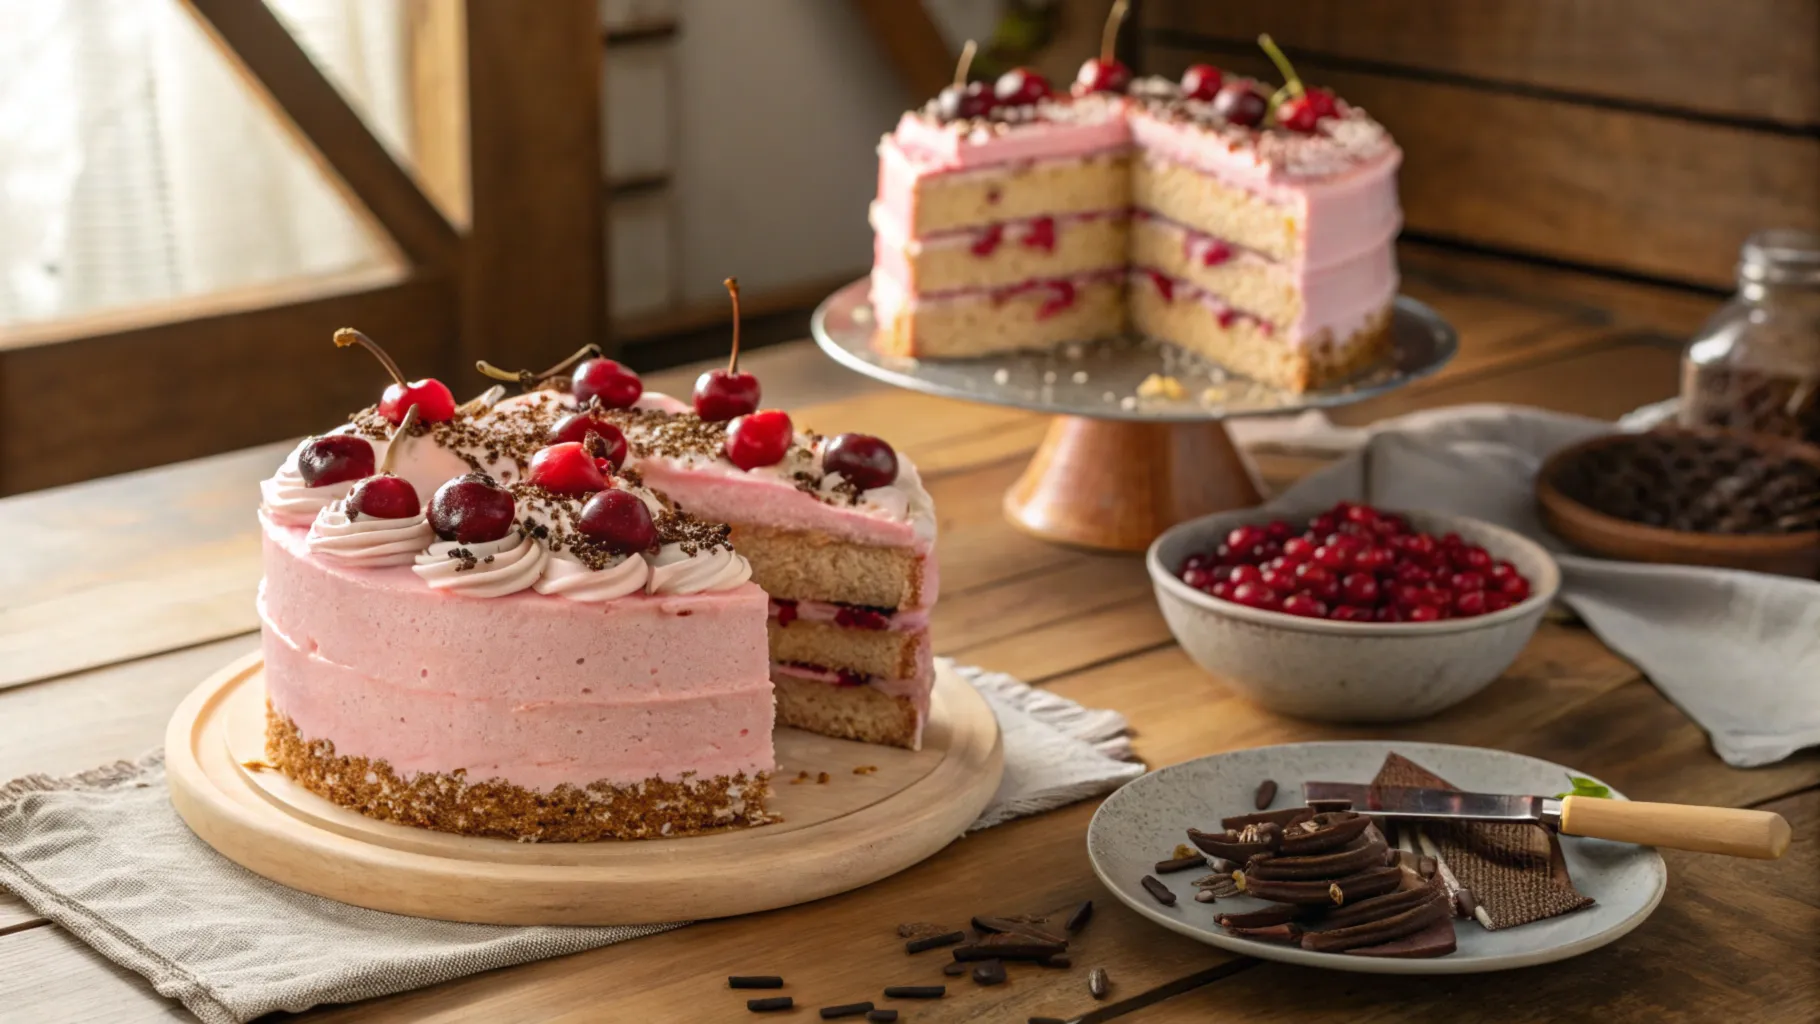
1608	536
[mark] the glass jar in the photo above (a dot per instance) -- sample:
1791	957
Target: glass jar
1755	366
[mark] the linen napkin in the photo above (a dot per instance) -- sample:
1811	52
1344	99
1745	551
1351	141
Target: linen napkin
105	856
1739	652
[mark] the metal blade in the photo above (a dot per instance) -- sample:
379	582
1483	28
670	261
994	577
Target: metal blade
1436	804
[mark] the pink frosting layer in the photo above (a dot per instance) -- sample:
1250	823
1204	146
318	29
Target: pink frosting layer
1071	129
619	691
728	495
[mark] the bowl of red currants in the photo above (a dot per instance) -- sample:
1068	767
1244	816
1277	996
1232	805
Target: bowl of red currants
1351	613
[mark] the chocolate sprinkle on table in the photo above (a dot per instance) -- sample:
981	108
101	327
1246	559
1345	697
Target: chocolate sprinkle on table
929	942
1078	920
916	991
846	1010
990	972
755	981
770	1003
882	1016
954	968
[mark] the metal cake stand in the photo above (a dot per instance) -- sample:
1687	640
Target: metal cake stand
1123	461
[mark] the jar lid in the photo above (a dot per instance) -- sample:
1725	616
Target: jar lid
1781	256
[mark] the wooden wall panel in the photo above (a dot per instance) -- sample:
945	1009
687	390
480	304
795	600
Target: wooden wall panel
1640	193
1751	59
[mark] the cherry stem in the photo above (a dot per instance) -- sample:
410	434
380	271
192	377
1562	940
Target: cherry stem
403	430
349	336
1290	81
526	378
966	63
732	284
1109	36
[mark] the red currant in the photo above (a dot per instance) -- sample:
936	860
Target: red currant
1470	603
1467	581
1256	595
1360	588
1305	605
1351	613
1424	613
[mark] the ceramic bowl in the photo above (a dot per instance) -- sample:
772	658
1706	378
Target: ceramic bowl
1599	533
1349	671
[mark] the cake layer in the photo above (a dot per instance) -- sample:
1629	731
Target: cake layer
927	203
1002	253
526	647
609	738
799	565
1179	313
1212	207
1300	301
457	803
867	713
1035	315
869	652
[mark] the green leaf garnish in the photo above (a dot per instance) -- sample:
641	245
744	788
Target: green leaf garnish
1584	786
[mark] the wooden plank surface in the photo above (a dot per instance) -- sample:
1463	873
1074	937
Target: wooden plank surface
1082	624
1623	190
1746	59
1716	949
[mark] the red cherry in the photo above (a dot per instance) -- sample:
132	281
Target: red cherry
385	497
1373	559
1021	86
1496	602
1243	537
333	458
1201	82
1279	530
619	521
1410	573
959	102
863	459
434	402
1387	613
1221	590
1516	588
1333	556
721	395
1420	545
1280	580
1475	558
575	428
1424	613
759	439
1305	605
1098	75
1256	595
1501	571
1360	588
1245	574
471	509
1351	613
1199	578
1470	603
1299	547
1240	104
607	380
1469	580
566	468
1196	562
1304	113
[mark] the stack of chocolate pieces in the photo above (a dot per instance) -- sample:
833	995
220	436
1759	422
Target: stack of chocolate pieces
1337	884
1697	482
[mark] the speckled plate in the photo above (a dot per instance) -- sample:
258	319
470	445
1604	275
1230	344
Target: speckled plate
1100	379
1142	823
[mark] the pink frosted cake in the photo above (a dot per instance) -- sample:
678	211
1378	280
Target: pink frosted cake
1256	231
510	618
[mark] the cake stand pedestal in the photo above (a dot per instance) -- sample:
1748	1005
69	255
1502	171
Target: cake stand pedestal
1118	467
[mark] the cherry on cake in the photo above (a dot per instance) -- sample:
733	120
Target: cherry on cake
1249	224
540	617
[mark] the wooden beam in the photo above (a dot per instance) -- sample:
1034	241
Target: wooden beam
438	57
535	264
253	38
913	44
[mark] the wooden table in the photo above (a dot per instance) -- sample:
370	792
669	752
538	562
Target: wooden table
117	596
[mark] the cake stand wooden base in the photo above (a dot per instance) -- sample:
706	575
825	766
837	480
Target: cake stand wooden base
854	828
1115	485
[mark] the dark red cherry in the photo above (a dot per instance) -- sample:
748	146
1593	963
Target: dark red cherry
1021	86
1201	82
960	102
720	395
566	468
576	426
471	509
607	380
759	439
333	458
1240	104
1304	113
434	402
1097	75
385	497
619	521
861	458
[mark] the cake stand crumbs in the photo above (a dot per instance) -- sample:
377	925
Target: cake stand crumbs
821	778
1158	386
258	765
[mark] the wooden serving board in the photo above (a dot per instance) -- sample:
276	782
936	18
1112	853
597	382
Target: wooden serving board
837	835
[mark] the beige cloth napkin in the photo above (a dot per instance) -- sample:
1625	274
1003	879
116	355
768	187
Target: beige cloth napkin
105	856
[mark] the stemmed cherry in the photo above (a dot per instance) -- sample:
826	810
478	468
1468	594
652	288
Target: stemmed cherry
435	404
384	496
1021	87
1105	73
720	395
1201	82
1298	107
612	382
964	99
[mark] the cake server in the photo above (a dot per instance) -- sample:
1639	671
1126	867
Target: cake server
1736	832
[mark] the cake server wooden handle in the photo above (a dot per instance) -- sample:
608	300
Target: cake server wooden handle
1732	831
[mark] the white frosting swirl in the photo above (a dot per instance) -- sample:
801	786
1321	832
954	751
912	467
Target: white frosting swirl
675	572
368	541
289	501
564	576
497	567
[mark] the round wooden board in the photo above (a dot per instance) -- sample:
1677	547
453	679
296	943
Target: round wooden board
834	836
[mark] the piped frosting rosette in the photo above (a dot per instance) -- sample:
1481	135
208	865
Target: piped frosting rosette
675	570
493	568
564	575
365	541
288	501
